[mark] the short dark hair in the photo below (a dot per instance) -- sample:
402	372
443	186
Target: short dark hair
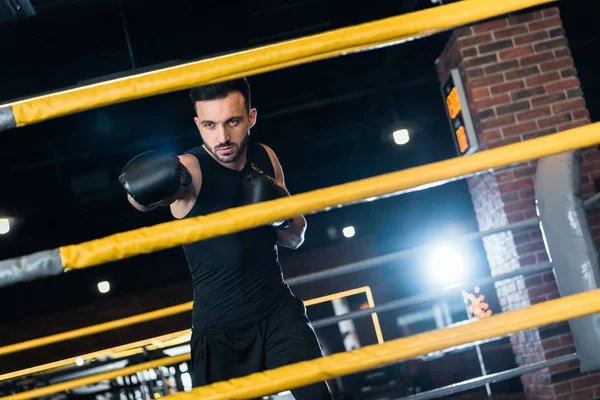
221	90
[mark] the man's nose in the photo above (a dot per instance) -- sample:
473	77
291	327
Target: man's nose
223	135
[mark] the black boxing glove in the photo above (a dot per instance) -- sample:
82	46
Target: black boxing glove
154	176
258	187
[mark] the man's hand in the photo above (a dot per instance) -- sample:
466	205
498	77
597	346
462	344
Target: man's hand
154	179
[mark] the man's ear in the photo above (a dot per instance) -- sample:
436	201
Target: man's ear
252	115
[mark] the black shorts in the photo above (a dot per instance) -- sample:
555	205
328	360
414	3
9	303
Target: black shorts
285	337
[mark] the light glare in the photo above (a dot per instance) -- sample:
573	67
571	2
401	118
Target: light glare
4	226
447	265
401	136
348	231
103	287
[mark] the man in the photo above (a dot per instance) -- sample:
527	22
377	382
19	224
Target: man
245	318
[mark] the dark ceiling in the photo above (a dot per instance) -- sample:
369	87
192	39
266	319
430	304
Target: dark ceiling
328	121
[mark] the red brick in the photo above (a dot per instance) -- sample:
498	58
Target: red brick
551	343
474	40
568	105
523	94
483	115
498	122
513	107
478	93
502	142
562	52
515	185
582	395
541	79
526	170
514	31
533	248
555	120
579	114
522	72
562	85
573	125
489	26
560	352
572	93
463	31
516	217
508	197
533	114
519	129
533	281
551	44
528	259
502	66
495	46
531	37
537	58
486	80
561	387
490	101
566	340
557	64
474	73
557	32
470	52
479	61
550	98
504	176
585	382
507	87
526	17
545	24
568	73
519	206
550	12
515	52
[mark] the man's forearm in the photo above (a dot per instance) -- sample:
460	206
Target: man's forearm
293	237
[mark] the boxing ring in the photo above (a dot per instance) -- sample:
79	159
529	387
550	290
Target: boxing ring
392	31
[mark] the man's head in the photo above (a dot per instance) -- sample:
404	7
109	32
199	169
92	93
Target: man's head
224	117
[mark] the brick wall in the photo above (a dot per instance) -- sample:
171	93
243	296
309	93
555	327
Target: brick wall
522	83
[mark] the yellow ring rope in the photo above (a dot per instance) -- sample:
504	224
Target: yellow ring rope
329	367
175	233
91	330
263	59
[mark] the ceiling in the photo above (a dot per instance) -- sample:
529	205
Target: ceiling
329	121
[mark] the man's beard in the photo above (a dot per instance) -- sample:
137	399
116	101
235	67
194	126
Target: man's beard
229	158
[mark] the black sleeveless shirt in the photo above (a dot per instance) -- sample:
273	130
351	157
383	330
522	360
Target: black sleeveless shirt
237	278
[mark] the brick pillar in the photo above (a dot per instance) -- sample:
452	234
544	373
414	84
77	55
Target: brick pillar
522	83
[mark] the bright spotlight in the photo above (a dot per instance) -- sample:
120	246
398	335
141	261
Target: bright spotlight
103	287
4	226
79	361
348	231
447	265
401	136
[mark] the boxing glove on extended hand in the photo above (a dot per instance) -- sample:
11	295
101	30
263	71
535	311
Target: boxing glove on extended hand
154	176
257	187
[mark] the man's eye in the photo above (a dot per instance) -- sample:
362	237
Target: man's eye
234	122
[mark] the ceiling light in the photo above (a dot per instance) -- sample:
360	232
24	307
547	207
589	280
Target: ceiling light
103	287
4	226
401	136
348	231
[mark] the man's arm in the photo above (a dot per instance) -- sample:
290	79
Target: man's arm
293	237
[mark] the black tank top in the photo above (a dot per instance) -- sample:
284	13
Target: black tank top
237	278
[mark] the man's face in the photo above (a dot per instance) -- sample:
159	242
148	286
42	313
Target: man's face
224	125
